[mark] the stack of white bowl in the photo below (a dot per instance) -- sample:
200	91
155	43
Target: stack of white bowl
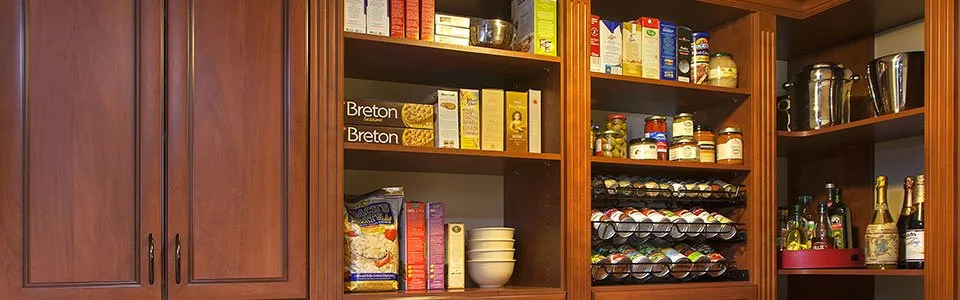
490	256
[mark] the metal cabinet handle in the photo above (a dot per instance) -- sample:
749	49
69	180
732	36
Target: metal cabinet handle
151	256
177	267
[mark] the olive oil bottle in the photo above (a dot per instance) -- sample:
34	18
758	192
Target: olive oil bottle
882	237
797	238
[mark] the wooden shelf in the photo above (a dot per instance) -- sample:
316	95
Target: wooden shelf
425	62
698	15
877	129
851	272
434	160
662	286
622	93
610	164
511	292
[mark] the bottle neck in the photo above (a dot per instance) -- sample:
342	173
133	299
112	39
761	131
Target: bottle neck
881	202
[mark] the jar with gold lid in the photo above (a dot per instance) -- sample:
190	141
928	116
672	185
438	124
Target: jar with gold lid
722	71
684	150
683	126
708	152
730	146
703	133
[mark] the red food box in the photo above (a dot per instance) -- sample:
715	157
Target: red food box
413	254
413	19
435	246
396	18
595	65
427	8
822	259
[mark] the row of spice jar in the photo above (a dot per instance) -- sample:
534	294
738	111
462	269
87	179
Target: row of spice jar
640	224
647	260
690	143
636	186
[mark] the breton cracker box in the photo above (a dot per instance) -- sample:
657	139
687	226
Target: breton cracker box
427	10
354	16
443	39
435	246
491	119
684	53
448	119
534	107
611	46
412	16
412	137
651	47
451	20
378	23
631	58
413	241
397	18
470	119
668	51
536	22
392	114
452	31
595	65
516	126
456	268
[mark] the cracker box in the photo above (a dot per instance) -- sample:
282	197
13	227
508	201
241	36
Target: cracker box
651	47
611	47
491	119
536	22
456	269
448	119
684	53
412	137
413	241
595	65
443	39
397	18
516	125
412	16
668	51
534	107
427	11
355	18
470	119
378	23
390	114
435	246
451	20
453	31
631	58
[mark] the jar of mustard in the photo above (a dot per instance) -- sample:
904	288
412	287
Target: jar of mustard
643	149
611	143
708	152
722	71
703	133
617	122
730	146
683	126
684	150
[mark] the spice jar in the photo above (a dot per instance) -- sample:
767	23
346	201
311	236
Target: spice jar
643	149
702	134
723	70
656	127
617	122
684	150
611	143
683	126
730	146
708	152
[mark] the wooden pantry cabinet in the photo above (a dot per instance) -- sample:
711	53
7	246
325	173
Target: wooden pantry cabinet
142	133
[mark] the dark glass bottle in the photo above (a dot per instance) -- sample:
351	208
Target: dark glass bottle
822	238
839	218
905	212
914	232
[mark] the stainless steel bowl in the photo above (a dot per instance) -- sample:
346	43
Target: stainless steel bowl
491	33
896	82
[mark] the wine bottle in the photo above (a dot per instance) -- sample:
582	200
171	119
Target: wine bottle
839	218
914	232
908	195
882	237
822	238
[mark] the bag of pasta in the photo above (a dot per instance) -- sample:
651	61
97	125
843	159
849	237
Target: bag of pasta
371	248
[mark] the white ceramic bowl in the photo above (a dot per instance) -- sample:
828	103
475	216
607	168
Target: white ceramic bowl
489	233
490	254
498	244
490	273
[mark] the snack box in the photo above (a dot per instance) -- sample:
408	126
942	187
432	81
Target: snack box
448	119
385	113
397	18
456	268
412	137
516	125
451	20
534	108
443	39
491	119
469	119
684	53
595	65
354	16
536	22
412	16
378	22
668	51
611	47
413	240
631	59
435	246
453	31
651	47
427	11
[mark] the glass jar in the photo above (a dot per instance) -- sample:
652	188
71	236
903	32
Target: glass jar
643	149
617	122
708	152
593	137
611	143
702	133
656	127
722	71
684	150
730	146
683	126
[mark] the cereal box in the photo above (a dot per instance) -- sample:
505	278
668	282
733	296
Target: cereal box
427	10
413	241
412	16
536	22
534	107
412	137
469	119
668	51
651	47
453	31
451	20
631	58
435	246
392	114
355	18
397	9
611	46
455	258
443	39
684	53
516	122
378	23
448	119
595	65
491	118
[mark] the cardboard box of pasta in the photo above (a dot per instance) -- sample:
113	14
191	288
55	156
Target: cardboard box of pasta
456	269
516	125
536	26
413	137
491	119
413	241
390	114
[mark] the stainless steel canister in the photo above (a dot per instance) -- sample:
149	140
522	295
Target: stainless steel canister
896	82
819	96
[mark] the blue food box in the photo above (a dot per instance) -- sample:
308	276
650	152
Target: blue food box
668	51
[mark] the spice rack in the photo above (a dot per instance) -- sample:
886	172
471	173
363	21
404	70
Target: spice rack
729	232
628	271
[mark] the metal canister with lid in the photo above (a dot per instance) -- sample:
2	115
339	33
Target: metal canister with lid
683	126
643	149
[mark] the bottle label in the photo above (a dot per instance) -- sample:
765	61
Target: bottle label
683	129
882	244
836	227
732	149
913	239
643	151
821	246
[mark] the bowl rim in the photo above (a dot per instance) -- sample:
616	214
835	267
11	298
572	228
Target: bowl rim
492	229
491	250
491	260
491	240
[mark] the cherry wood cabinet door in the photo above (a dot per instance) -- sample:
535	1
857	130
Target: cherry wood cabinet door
237	149
81	120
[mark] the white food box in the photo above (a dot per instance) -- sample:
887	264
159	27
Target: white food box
354	19
449	20
452	31
534	110
611	46
491	119
378	21
443	39
455	256
651	47
448	119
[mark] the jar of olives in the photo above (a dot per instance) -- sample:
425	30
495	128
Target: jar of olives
617	122
612	143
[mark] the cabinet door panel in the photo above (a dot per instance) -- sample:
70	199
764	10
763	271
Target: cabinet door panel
237	148
80	148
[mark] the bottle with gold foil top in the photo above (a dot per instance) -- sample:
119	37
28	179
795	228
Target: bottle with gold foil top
908	196
914	257
882	237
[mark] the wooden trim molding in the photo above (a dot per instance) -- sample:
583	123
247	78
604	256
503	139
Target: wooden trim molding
576	158
797	9
764	118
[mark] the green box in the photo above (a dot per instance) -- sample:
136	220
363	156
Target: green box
536	22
